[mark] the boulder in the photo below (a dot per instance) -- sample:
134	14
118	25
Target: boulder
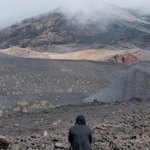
4	142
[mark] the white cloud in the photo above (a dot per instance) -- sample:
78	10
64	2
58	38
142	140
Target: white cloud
12	11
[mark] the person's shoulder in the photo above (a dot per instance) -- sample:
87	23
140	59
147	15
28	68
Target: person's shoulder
88	127
74	126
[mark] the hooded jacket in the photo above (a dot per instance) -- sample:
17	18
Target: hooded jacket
80	135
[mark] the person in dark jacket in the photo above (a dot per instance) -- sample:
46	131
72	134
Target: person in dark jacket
80	135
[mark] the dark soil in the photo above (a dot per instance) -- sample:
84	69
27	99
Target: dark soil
35	123
115	126
32	84
132	83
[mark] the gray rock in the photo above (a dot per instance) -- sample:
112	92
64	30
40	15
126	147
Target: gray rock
4	142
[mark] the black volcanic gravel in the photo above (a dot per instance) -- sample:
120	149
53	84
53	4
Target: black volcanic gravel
32	84
119	125
135	82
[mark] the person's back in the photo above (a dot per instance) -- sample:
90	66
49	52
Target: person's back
80	135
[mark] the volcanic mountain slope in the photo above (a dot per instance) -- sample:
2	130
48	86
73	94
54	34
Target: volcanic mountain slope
133	83
120	56
27	84
57	31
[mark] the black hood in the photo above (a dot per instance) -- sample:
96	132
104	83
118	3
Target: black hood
80	120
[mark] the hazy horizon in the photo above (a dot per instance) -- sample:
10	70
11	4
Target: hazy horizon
15	10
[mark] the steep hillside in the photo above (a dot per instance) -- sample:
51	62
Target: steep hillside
133	83
56	31
27	84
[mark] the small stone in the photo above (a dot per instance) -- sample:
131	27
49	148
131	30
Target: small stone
59	145
16	125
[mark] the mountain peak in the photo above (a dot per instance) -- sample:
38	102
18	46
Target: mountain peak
56	31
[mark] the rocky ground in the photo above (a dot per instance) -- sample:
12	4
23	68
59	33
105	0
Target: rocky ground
120	125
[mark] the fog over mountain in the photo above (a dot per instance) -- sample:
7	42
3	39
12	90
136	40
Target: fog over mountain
66	30
16	10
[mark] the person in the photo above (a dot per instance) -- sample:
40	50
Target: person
80	135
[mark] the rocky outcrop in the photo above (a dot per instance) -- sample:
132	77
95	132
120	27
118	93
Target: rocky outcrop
126	58
130	57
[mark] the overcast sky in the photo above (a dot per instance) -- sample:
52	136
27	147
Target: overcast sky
13	11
